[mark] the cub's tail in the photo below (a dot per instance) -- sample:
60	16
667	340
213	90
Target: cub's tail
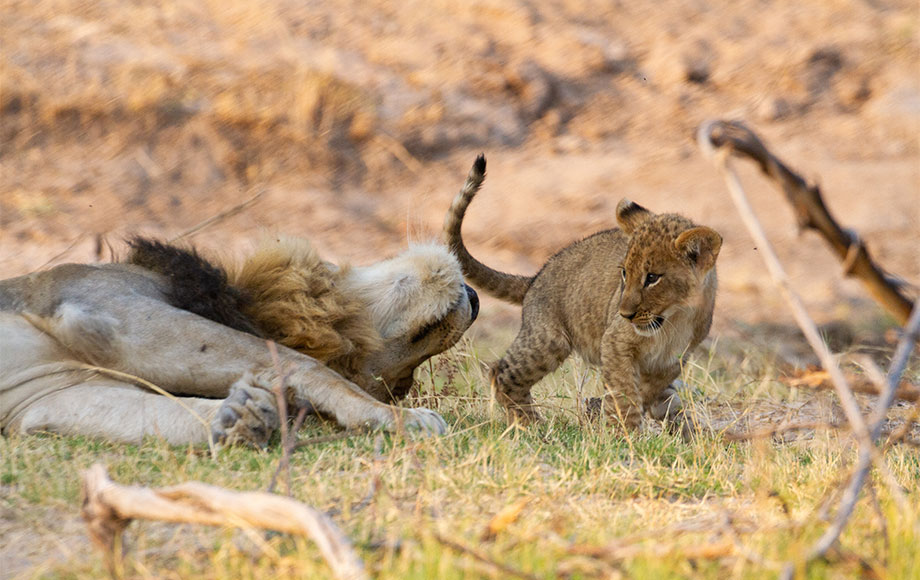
508	287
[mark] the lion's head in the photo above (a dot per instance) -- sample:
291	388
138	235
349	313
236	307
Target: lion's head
373	324
419	305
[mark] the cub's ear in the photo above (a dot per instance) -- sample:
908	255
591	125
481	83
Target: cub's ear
701	245
630	215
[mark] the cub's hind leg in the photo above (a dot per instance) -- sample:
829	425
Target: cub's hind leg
535	352
667	406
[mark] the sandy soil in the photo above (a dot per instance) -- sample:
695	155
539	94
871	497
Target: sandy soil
359	120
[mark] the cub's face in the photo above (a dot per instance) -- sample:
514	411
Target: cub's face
420	306
666	264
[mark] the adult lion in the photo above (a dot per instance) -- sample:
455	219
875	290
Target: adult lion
90	349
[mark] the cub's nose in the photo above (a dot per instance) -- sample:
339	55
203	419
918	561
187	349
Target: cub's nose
628	315
474	303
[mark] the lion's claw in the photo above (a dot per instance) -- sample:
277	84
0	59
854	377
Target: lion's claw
248	415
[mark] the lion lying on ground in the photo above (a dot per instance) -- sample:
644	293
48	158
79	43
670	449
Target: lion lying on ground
85	348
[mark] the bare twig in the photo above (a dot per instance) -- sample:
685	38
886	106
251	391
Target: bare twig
63	252
288	437
281	402
821	380
812	213
505	569
850	407
109	507
219	217
616	551
769	432
867	453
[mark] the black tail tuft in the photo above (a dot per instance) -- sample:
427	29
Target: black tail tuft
479	166
195	284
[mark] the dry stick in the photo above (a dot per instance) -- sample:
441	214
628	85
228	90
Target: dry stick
288	438
707	139
63	252
784	427
281	401
906	391
109	507
221	216
813	214
851	493
807	325
287	447
482	557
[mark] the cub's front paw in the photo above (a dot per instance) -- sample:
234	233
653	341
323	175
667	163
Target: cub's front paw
248	415
424	421
622	416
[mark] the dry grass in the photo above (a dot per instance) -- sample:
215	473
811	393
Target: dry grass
583	502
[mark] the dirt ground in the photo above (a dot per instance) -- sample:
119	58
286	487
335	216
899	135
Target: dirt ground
359	121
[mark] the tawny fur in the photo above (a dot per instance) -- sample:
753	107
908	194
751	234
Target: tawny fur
82	343
632	299
301	302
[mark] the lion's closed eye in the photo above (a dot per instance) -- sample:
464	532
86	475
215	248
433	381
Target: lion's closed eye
424	331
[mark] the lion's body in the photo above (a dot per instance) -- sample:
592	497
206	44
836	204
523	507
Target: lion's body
84	348
632	326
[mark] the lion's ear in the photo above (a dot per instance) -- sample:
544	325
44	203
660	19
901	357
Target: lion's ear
701	245
630	215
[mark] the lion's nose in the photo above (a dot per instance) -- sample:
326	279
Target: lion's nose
474	303
628	315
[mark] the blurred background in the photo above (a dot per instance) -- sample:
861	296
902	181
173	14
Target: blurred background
359	120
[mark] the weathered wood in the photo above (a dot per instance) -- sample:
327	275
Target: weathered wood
812	213
109	507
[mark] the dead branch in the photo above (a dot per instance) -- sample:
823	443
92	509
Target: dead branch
735	137
867	454
109	507
770	432
812	213
505	569
615	551
806	324
278	389
821	380
219	217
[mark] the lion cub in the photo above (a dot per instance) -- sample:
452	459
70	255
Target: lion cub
631	299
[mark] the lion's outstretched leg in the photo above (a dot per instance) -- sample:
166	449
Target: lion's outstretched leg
184	353
116	411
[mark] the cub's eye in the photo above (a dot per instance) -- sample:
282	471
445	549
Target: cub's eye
651	279
623	273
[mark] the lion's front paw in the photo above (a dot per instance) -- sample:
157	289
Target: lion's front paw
248	416
425	421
